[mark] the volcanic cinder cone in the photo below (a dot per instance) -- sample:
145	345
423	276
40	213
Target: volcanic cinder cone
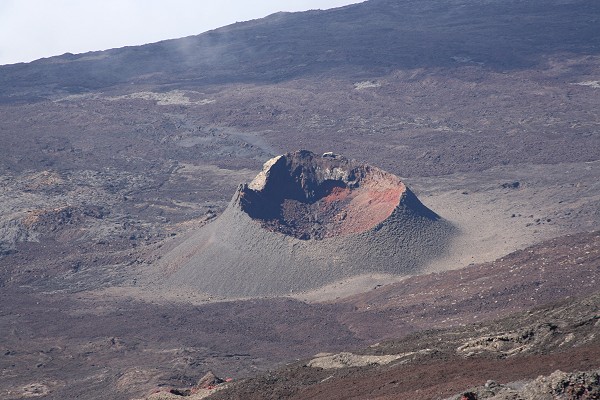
306	221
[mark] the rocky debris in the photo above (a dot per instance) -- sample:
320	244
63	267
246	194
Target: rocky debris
36	224
306	221
417	362
175	394
346	359
576	385
558	385
509	343
54	219
207	385
209	381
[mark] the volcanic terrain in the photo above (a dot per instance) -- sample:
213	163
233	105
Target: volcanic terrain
306	221
119	237
436	364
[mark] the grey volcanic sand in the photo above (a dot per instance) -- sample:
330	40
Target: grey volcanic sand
240	256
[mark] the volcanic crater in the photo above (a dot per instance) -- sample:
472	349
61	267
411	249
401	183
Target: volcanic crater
312	197
305	221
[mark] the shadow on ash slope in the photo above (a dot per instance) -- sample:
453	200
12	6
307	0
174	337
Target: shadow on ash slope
306	221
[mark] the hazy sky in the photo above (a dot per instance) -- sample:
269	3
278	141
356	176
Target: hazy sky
32	29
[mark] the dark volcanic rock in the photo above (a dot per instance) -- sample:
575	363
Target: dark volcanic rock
306	221
558	385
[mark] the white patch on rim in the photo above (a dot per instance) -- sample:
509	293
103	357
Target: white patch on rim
592	84
366	85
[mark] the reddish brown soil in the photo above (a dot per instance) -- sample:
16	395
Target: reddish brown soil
368	208
343	211
337	194
434	379
558	268
434	365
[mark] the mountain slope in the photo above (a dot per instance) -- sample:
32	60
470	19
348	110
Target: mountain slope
375	37
436	364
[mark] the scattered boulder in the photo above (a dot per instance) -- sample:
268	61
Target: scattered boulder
511	185
558	385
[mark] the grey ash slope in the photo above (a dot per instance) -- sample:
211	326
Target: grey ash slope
362	220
